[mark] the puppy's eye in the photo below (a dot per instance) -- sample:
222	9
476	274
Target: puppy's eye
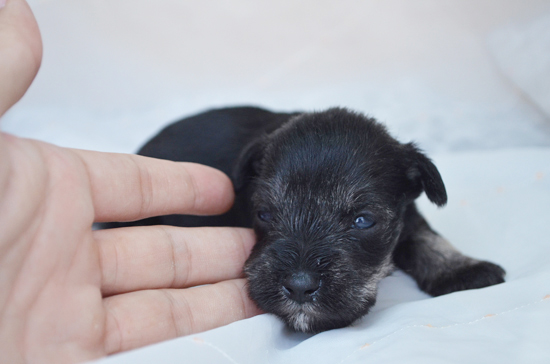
265	216
363	222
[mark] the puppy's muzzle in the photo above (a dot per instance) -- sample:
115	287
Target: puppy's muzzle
302	286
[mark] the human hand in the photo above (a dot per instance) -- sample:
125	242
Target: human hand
70	294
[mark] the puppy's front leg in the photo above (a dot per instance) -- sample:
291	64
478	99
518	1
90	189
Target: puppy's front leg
435	264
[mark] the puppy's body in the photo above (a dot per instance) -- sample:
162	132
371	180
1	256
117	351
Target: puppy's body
331	198
215	138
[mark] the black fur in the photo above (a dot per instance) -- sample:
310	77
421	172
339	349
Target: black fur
302	181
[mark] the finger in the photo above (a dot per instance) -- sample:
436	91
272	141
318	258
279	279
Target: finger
147	257
128	187
144	317
20	50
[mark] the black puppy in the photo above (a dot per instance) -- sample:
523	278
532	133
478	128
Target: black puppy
331	198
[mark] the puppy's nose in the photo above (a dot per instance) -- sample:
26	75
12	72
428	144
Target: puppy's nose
301	286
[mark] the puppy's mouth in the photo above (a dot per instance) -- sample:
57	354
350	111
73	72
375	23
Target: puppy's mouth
325	308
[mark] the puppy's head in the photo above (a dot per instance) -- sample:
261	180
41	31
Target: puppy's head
329	194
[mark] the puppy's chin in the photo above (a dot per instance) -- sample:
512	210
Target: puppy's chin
309	318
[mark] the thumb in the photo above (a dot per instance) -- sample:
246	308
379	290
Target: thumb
20	51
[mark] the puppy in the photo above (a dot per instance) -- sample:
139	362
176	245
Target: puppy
330	196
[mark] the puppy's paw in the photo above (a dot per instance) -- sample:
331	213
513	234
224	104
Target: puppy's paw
477	274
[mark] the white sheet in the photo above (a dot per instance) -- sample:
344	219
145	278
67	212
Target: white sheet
440	72
502	217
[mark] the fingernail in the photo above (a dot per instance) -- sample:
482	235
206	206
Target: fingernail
2	3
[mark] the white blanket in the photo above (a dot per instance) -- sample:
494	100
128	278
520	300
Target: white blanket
502	217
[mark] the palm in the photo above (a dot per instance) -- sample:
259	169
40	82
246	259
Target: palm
55	295
61	272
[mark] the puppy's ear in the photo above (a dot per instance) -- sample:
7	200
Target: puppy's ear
248	165
424	174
